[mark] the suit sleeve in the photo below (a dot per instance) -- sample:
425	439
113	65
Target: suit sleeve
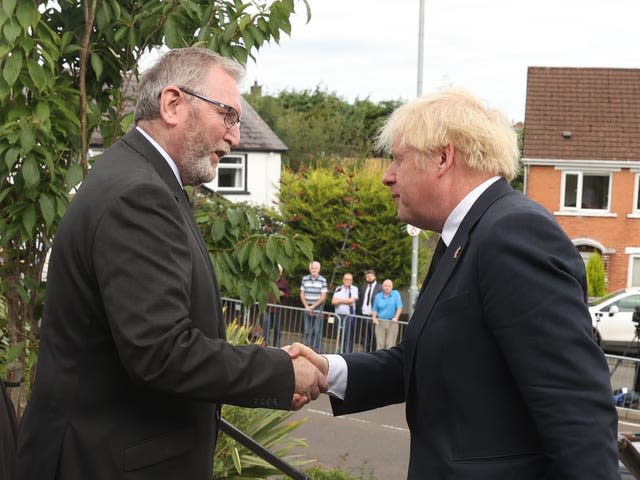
533	286
144	261
365	391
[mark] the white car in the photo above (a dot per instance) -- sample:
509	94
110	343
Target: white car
612	321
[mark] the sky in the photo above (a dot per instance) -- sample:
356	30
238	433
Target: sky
369	48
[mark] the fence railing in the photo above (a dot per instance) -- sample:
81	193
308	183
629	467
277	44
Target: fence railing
286	325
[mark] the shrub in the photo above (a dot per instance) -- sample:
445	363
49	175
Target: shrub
265	426
596	277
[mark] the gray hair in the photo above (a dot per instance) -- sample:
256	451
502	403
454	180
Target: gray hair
182	67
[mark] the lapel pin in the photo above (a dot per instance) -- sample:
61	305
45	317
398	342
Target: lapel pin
456	254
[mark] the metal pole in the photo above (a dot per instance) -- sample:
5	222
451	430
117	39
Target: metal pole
420	45
413	289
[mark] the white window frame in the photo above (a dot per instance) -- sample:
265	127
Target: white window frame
634	253
635	211
241	167
580	174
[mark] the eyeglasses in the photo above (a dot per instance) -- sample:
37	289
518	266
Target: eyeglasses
231	116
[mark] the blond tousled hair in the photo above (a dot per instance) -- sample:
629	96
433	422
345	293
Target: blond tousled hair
487	141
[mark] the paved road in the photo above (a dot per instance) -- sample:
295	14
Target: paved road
371	444
374	445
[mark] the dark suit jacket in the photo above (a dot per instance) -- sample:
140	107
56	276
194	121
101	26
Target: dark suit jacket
363	291
133	363
499	370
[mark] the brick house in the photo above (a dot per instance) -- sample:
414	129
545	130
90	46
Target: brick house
581	158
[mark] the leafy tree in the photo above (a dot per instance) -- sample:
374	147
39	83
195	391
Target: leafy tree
318	126
596	277
246	245
351	220
66	69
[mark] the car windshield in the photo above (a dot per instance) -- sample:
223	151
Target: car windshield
600	300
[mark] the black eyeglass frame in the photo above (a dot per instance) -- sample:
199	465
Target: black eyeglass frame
229	111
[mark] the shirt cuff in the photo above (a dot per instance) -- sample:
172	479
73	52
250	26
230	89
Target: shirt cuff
337	376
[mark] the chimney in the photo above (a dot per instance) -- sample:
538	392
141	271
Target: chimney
256	90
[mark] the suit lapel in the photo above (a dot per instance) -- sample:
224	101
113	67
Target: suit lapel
454	252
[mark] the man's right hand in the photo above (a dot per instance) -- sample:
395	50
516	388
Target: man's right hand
297	350
309	382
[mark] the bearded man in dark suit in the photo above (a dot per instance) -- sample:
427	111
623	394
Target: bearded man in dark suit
499	370
133	363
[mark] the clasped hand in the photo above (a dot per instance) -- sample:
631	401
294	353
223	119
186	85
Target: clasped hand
310	371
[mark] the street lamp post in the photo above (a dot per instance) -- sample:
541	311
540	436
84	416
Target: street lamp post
413	289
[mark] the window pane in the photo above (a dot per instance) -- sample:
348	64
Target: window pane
635	273
230	161
570	189
231	173
628	304
595	191
638	192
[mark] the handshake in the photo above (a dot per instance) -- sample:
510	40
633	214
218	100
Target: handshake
310	371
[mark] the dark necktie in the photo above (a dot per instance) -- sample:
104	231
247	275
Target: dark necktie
351	304
437	255
367	300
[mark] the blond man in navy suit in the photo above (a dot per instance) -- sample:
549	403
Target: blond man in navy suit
499	370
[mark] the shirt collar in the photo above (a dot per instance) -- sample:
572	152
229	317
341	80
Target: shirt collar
165	155
457	214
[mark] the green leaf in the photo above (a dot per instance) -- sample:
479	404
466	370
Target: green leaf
263	25
235	216
11	157
36	72
255	256
96	64
47	209
305	248
27	139
29	219
288	247
27	14
73	176
242	254
217	230
12	67
272	248
42	112
30	173
240	54
8	7
11	30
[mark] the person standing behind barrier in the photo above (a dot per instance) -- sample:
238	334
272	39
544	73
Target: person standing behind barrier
273	314
313	293
369	291
385	313
344	299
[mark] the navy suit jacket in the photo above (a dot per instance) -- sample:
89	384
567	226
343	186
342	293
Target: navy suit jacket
499	370
133	364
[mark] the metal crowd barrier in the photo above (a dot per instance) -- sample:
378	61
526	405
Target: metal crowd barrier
625	382
291	326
